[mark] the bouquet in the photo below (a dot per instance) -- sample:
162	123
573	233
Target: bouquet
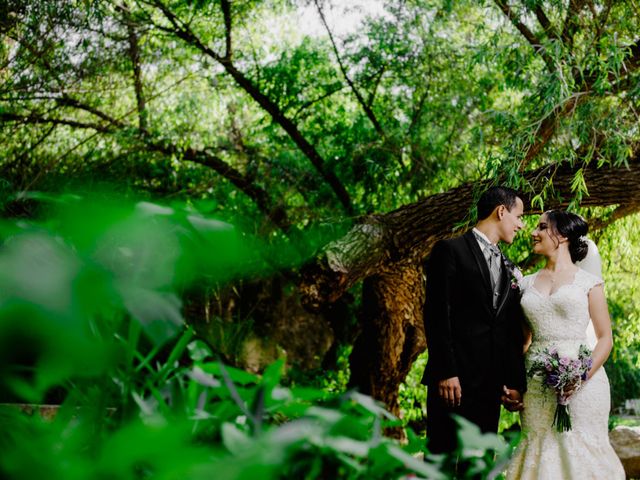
564	375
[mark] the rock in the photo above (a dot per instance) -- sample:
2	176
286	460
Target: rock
632	406
256	354
626	442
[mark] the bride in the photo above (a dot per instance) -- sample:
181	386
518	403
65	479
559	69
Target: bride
559	301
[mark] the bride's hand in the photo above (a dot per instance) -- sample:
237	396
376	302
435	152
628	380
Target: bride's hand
572	388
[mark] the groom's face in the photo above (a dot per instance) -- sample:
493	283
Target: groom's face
510	221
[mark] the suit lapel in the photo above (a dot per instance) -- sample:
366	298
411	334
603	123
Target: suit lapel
505	284
476	252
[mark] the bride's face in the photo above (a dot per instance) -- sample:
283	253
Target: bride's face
545	240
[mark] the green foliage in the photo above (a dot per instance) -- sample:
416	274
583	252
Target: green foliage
140	396
413	396
619	249
614	421
413	101
456	94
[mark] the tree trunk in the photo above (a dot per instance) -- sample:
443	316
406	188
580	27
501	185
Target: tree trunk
394	332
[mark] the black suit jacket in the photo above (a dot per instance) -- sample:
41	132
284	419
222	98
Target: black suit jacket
466	336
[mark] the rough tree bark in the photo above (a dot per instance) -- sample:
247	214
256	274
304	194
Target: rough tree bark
387	251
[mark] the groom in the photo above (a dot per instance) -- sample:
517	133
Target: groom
473	322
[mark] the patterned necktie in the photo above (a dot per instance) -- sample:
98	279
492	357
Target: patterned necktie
495	266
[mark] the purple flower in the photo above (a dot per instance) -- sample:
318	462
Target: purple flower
561	374
552	380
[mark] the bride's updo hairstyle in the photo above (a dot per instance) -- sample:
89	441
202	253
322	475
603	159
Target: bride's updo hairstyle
573	228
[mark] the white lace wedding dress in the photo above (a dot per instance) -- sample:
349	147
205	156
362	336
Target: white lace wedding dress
560	320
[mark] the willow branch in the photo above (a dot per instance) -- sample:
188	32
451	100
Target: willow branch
134	55
546	23
533	40
181	30
571	22
275	213
365	106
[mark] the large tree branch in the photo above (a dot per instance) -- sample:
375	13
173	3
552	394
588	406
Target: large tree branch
600	20
571	22
226	13
620	212
547	127
533	40
405	236
24	155
633	62
544	21
320	98
68	101
35	119
275	213
376	84
134	56
365	106
181	30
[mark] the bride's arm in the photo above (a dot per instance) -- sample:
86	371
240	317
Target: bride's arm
602	326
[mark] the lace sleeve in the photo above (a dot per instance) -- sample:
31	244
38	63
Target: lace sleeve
587	281
525	283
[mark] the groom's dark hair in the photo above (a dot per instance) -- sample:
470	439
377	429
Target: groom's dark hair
494	197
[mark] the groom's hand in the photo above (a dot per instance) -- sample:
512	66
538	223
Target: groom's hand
511	399
450	391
